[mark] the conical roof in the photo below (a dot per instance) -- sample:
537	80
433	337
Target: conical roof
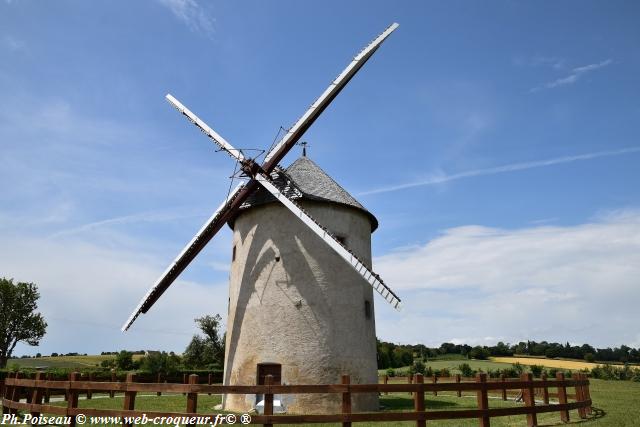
305	180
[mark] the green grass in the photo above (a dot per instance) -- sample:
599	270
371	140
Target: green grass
452	402
452	365
448	356
616	404
392	402
150	402
618	400
63	361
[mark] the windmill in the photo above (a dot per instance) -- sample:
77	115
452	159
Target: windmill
279	185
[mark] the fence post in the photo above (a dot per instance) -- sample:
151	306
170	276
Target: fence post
418	401
66	392
587	395
545	390
268	398
159	380
386	381
89	392
503	380
37	394
579	395
15	394
210	380
562	397
529	399
7	395
346	400
72	396
459	392
4	394
112	393
192	398
129	397
482	398
47	391
434	380
185	380
410	381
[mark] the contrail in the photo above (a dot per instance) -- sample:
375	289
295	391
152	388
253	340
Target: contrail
501	169
155	216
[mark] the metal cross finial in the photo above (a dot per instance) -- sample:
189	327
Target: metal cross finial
304	148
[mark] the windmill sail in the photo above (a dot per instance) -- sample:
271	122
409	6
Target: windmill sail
212	134
372	278
202	237
231	205
300	127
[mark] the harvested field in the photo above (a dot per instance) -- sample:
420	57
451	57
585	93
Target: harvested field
548	363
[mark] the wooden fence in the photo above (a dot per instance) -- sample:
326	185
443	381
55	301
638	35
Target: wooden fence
35	392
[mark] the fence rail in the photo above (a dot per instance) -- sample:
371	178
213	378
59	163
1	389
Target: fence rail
36	394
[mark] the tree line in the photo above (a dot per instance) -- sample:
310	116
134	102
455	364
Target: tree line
203	352
392	355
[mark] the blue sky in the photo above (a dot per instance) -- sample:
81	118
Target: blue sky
497	144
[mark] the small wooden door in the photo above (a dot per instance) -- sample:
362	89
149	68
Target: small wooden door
264	369
274	369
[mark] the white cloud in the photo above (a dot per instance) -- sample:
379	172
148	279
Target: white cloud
88	291
142	217
576	74
66	170
576	283
13	44
61	163
190	12
441	177
592	67
472	284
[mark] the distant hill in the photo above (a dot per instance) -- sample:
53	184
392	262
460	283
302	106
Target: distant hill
63	361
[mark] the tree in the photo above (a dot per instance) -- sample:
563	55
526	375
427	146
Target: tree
402	356
537	370
124	360
160	363
479	352
19	321
466	370
418	367
207	351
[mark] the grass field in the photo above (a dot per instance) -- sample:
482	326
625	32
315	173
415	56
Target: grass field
615	405
452	365
151	402
497	363
549	363
63	361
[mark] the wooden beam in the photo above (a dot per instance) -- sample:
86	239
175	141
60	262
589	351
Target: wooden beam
72	396
418	401
129	398
483	400
346	400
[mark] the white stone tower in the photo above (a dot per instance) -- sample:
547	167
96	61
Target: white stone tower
296	309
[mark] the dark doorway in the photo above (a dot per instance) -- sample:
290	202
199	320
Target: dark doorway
264	369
